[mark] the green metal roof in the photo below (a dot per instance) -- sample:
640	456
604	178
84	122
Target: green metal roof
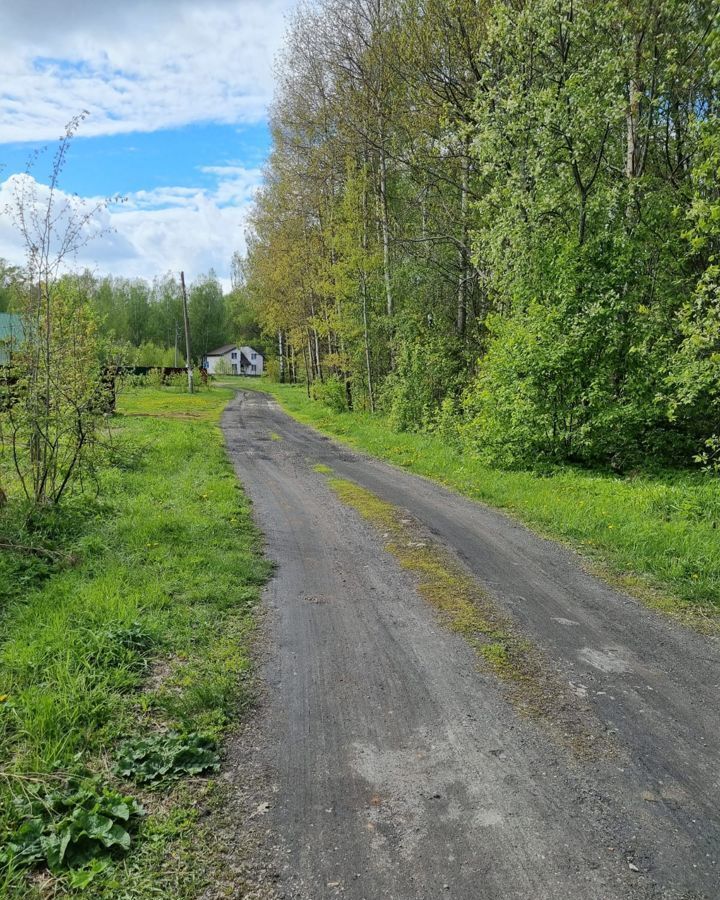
11	332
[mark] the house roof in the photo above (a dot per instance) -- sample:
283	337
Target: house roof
226	348
221	351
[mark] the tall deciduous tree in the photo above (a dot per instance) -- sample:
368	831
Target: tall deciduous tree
539	183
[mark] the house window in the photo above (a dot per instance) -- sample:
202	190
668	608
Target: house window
233	355
253	355
252	368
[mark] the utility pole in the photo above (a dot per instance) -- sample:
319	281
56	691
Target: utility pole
188	358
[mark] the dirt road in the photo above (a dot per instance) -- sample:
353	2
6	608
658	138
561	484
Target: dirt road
398	765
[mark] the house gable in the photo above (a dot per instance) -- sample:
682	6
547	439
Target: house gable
222	351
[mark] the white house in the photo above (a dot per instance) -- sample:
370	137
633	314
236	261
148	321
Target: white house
237	361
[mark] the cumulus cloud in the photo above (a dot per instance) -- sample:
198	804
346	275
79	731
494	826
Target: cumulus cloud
139	65
152	232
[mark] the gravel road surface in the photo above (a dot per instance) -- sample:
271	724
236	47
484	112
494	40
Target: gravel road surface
396	765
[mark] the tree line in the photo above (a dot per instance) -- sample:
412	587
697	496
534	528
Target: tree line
145	319
500	220
141	321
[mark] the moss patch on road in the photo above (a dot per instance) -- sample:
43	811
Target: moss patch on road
465	608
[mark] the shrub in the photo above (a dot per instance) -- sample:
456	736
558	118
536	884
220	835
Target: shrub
427	371
331	392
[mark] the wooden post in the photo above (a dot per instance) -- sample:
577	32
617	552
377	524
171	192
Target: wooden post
188	358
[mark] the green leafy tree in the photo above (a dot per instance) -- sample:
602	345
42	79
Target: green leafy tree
503	215
208	316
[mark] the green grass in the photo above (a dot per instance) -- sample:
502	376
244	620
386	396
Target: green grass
142	621
655	535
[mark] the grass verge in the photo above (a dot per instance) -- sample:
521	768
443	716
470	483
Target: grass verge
656	536
137	623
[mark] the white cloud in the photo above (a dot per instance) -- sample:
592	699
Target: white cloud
136	65
142	65
176	228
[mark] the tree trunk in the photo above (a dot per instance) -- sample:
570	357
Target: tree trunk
634	153
582	224
385	230
463	253
366	337
632	128
307	371
316	341
363	283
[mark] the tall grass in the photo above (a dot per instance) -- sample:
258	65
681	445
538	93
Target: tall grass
154	588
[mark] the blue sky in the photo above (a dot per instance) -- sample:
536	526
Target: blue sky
125	163
177	93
